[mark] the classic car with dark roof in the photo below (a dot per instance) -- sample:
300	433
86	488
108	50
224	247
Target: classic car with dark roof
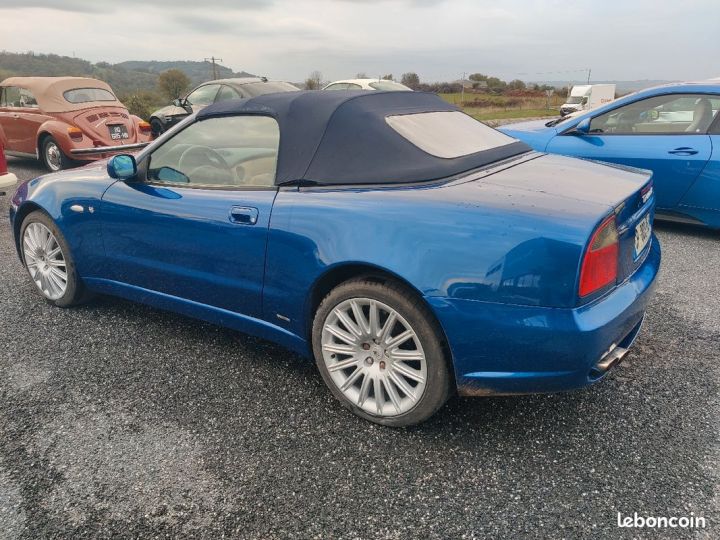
213	92
413	251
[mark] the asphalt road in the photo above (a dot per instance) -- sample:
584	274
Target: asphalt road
122	421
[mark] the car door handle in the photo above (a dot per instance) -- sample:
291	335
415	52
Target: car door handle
683	151
244	215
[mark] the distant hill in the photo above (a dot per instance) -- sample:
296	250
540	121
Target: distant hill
622	87
197	71
125	78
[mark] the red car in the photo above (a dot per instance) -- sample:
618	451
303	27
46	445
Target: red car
61	120
6	179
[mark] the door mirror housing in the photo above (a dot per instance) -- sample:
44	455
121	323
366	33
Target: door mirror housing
122	167
582	128
182	103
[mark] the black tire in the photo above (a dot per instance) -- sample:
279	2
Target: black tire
75	292
58	161
156	127
418	315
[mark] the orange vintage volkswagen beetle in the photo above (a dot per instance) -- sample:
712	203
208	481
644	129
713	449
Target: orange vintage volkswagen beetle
62	120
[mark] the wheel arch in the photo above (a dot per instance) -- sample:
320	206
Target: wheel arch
341	273
26	208
42	135
56	129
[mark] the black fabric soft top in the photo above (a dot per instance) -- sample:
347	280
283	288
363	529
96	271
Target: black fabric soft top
341	137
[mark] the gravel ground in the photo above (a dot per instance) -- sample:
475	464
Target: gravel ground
122	421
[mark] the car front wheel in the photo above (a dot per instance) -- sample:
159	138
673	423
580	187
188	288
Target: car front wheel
47	258
381	353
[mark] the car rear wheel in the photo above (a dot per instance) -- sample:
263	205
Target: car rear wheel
48	261
380	353
53	156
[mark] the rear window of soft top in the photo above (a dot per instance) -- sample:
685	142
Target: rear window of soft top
86	95
447	134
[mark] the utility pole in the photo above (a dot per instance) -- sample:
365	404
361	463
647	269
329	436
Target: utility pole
462	91
214	65
589	71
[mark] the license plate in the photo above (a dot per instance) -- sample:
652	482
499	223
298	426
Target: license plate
642	235
118	132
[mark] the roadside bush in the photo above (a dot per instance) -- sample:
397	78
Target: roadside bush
142	104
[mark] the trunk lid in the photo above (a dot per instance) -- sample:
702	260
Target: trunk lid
624	191
96	123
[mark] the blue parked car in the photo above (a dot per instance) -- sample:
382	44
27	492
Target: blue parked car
672	130
410	249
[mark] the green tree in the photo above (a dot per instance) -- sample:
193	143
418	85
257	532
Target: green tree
516	84
173	83
496	84
411	80
477	77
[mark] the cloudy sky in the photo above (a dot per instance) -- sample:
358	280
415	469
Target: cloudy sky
438	39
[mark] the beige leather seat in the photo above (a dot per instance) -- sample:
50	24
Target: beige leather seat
702	116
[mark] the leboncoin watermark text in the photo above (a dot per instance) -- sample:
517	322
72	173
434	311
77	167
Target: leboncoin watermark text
661	522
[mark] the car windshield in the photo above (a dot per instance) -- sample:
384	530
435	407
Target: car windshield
390	86
86	95
573	100
270	87
447	134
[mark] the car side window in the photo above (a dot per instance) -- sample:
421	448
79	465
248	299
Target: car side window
226	93
204	95
230	151
11	97
353	86
673	113
27	99
715	128
337	86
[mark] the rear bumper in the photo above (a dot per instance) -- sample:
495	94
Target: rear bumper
7	180
509	349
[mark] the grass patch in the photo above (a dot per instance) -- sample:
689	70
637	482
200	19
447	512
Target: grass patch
483	114
500	107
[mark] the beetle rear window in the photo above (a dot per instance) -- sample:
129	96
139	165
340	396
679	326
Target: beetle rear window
447	134
86	95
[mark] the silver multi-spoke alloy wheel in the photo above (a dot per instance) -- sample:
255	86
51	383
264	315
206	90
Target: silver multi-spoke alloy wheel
45	261
53	156
374	357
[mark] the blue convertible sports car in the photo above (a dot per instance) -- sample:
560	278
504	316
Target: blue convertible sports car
410	249
672	130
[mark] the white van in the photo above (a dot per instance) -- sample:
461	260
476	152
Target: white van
586	97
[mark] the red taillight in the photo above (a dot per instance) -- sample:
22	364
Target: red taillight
75	133
144	127
600	264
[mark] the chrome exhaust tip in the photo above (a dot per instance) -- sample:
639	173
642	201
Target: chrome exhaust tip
611	358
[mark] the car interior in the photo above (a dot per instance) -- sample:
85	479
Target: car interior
203	165
662	114
236	151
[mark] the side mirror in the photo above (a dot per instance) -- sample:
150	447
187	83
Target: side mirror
122	167
582	128
178	102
